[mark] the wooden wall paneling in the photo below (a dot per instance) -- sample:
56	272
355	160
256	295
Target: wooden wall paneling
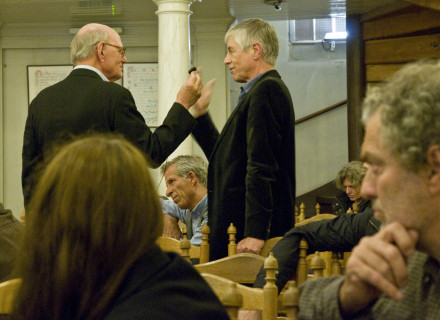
381	72
355	85
433	4
400	24
401	50
389	9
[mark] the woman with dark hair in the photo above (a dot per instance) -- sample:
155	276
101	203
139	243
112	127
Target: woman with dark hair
89	249
349	181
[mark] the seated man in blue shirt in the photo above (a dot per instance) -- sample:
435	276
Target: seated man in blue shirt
185	177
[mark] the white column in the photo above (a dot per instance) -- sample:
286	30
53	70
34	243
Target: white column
173	59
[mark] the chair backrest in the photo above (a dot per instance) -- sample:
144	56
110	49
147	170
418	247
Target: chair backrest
265	300
268	245
289	301
184	247
322	216
322	263
173	245
8	291
241	268
232	246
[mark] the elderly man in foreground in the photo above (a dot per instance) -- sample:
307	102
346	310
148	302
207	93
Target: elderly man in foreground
88	101
395	273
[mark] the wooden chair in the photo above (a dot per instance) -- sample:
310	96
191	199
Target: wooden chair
289	302
235	296
268	245
322	216
8	290
322	263
300	214
232	246
260	303
241	268
184	247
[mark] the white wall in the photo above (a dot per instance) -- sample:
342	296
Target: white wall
316	79
321	143
15	104
24	45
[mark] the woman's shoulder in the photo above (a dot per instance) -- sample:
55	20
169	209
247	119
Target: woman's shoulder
169	289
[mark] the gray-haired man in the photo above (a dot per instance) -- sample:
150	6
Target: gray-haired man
394	274
185	177
88	101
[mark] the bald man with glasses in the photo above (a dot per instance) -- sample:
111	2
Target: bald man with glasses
88	101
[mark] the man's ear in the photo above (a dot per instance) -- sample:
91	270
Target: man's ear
257	50
433	161
192	177
100	50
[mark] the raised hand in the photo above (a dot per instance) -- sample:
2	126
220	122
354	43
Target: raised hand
201	106
190	92
376	265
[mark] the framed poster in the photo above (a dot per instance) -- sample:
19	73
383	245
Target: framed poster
142	81
40	77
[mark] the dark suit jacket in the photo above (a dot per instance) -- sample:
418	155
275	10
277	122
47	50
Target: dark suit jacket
83	103
340	234
251	173
162	285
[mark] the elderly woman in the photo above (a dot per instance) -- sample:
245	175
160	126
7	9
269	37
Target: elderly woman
89	250
349	180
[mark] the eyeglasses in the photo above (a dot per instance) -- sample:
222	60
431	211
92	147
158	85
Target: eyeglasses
122	50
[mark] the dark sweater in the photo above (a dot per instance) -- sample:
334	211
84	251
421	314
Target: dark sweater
340	234
161	285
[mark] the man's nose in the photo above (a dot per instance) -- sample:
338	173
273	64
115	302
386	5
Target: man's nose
368	187
227	60
168	192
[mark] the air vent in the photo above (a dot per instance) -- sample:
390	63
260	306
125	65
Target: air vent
96	8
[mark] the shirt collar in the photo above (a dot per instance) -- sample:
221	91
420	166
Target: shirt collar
85	66
201	205
248	85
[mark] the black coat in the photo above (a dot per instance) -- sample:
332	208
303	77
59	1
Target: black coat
84	103
340	234
161	285
343	203
251	173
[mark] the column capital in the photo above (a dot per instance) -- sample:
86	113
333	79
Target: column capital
173	6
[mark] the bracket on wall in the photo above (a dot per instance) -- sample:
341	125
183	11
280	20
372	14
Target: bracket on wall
275	3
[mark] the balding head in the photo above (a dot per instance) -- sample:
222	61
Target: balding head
99	46
92	27
83	44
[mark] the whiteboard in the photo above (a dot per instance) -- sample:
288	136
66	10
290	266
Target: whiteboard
142	81
40	77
